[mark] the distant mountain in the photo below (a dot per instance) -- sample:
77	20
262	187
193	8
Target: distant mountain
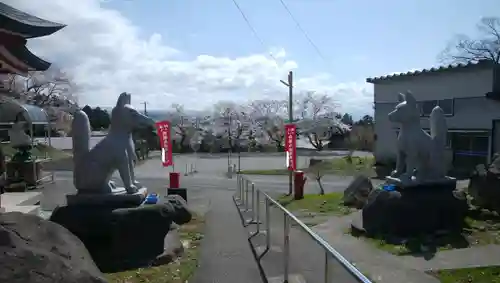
160	115
157	115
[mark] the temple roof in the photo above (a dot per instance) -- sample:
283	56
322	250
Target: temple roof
25	24
19	60
441	69
30	59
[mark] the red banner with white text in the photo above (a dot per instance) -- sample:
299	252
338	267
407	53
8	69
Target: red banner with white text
291	146
164	130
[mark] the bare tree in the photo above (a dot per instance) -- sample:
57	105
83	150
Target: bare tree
464	49
317	171
268	116
318	119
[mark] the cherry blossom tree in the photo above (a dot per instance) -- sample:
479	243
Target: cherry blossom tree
52	88
268	117
181	124
232	123
318	119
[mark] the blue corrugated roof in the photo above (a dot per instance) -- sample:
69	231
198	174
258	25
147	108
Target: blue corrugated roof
10	109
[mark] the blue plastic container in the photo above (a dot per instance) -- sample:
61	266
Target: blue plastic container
151	199
389	187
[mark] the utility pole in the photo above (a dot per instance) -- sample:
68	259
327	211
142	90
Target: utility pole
229	139
289	84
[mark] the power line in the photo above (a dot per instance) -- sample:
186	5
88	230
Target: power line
299	26
253	30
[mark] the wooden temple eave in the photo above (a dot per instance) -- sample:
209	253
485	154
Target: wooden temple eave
33	62
24	24
7	58
10	38
6	68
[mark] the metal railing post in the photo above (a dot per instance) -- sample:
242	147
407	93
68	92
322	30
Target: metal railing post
246	194
326	274
268	229
238	193
242	193
268	225
257	211
253	203
286	248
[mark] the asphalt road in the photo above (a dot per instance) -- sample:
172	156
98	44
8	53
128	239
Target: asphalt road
217	164
201	186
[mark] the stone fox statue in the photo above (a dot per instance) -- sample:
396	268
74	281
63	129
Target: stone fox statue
94	167
420	155
124	99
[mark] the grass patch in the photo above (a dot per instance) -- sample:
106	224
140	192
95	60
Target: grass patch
39	151
482	228
489	274
178	271
327	204
337	166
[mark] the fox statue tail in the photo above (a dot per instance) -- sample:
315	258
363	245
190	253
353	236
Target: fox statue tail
80	133
439	132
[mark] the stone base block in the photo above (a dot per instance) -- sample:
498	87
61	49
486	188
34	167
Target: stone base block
178	191
119	199
415	210
125	238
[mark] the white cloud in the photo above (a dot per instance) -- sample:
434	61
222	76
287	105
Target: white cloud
103	52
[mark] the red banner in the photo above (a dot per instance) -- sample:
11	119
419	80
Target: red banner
164	130
291	147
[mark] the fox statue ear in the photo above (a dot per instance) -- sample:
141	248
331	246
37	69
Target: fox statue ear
409	98
401	97
123	99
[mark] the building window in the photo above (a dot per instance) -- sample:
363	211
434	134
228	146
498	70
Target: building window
427	106
469	149
446	104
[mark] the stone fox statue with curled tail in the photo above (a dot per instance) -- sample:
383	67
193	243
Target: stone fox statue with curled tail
94	167
420	156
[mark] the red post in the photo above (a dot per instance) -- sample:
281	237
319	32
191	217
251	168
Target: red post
174	180
299	182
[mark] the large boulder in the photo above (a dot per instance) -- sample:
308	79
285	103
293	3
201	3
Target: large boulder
414	211
40	251
124	238
484	185
356	194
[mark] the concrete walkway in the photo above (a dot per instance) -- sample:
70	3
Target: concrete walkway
225	252
377	264
388	268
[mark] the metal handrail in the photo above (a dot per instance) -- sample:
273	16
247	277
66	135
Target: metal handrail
252	204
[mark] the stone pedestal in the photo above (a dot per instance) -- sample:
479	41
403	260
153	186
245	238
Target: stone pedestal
446	184
118	199
414	209
124	238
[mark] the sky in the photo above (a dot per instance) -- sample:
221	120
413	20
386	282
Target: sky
198	52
